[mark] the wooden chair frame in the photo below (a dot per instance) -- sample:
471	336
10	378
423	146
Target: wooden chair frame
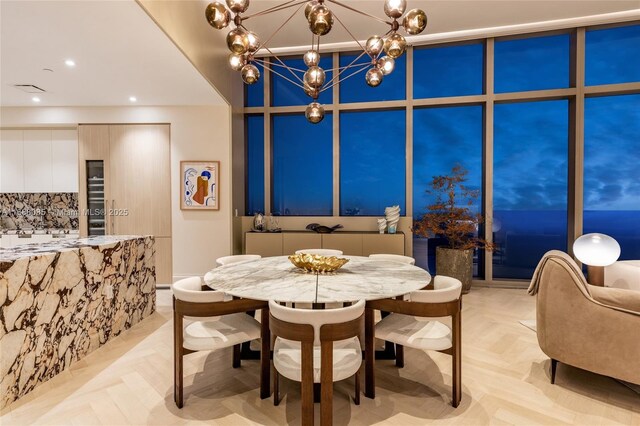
304	334
417	309
182	308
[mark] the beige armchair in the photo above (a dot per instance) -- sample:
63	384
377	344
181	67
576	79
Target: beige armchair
593	328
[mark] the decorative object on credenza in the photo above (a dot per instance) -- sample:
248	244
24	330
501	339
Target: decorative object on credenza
258	223
316	263
199	185
321	229
451	216
596	251
273	225
392	214
244	44
382	224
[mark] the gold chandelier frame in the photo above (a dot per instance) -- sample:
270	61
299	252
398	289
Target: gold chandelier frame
245	44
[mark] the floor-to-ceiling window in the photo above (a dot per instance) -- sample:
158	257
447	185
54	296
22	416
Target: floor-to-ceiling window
545	123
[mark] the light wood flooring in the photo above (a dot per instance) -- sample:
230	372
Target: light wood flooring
505	380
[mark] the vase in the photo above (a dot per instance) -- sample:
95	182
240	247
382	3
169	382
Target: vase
457	264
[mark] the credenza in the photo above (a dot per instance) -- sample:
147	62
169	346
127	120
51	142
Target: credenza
350	242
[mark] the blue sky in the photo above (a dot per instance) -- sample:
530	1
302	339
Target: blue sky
531	138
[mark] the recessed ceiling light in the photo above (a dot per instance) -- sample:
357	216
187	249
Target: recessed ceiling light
35	99
133	99
70	63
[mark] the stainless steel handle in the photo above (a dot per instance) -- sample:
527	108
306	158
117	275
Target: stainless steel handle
113	218
106	216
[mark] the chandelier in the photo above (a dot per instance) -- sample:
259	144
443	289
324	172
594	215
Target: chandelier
381	51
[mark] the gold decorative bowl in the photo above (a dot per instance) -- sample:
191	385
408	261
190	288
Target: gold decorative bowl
317	263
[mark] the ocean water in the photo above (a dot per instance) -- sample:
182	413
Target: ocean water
524	236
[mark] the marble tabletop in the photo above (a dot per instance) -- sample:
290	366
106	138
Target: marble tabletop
275	278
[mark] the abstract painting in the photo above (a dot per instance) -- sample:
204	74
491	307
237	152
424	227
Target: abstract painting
199	185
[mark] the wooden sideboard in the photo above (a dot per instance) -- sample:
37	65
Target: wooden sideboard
352	243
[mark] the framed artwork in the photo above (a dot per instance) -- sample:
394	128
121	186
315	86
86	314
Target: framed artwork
199	185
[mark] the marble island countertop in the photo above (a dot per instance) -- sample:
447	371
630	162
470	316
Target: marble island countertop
62	299
39	231
10	255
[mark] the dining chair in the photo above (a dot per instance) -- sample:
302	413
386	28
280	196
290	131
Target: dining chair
316	346
237	258
393	258
408	324
321	252
204	321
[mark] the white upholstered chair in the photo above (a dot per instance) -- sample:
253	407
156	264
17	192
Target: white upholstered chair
211	324
418	323
237	258
316	346
393	258
321	252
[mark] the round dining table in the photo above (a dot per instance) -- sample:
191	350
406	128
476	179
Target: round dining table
277	279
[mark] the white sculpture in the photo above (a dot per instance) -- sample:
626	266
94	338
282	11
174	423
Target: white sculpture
382	224
392	215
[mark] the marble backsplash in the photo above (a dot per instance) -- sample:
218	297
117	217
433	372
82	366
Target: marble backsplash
48	210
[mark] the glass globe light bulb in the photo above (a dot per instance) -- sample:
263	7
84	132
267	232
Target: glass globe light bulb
374	77
217	15
314	112
311	58
386	64
394	8
312	92
374	45
314	77
238	6
596	249
236	62
250	74
415	21
309	7
254	42
320	20
395	45
238	41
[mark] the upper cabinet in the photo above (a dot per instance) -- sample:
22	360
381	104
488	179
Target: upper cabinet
64	160
39	160
11	161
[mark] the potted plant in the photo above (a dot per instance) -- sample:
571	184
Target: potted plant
450	216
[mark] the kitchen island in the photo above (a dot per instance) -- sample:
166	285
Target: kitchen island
63	299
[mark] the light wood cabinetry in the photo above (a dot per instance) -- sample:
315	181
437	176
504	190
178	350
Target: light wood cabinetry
265	244
292	241
382	243
140	182
351	243
137	183
347	242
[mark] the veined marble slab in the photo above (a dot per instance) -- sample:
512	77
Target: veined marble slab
61	300
276	278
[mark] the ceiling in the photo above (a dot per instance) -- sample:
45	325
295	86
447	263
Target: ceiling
118	50
443	16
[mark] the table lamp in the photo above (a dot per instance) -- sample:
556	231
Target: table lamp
596	251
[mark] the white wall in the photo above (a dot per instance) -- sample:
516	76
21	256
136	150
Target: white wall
197	133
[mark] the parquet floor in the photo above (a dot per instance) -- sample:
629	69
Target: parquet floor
505	381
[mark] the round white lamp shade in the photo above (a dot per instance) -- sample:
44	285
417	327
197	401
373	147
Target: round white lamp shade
596	249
